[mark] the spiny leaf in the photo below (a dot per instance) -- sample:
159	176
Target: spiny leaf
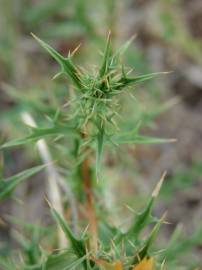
125	81
144	252
7	185
62	261
145	77
138	139
39	133
122	49
66	64
76	263
57	260
77	244
143	218
106	56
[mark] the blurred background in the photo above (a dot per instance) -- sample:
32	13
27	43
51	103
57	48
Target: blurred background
168	38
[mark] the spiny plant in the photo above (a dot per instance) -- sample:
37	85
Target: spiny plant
81	129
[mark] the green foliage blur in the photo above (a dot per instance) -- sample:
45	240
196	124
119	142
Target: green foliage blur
96	107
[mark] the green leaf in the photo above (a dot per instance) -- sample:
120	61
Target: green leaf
106	57
143	78
130	138
66	64
144	218
122	49
40	133
76	263
77	244
108	233
7	185
141	220
56	261
63	260
125	81
150	239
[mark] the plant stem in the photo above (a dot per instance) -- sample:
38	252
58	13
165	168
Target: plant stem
90	211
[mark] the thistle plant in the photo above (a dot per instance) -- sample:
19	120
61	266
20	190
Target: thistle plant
88	122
